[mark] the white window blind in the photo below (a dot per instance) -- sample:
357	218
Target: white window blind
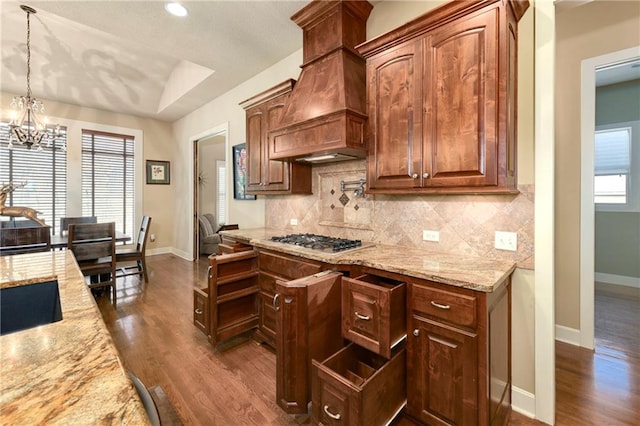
108	179
612	152
222	192
45	174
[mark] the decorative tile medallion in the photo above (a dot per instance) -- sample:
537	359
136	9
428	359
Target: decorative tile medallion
344	199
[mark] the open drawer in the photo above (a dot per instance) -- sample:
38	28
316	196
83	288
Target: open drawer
374	312
355	386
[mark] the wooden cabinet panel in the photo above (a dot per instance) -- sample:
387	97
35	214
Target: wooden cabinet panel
373	312
444	305
201	309
395	117
266	176
443	386
307	327
461	99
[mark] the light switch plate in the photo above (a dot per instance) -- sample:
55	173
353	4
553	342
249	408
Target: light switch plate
428	235
506	241
294	222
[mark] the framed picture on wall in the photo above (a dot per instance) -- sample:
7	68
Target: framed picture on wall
240	173
158	172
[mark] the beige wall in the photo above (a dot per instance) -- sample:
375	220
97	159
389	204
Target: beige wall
157	146
583	32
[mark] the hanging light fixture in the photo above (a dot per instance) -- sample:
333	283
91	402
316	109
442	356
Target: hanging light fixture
27	127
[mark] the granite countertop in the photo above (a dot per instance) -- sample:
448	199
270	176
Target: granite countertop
67	372
475	273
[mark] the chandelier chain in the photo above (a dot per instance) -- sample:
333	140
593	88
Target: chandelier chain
28	55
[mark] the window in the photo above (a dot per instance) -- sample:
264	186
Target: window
45	174
612	163
108	179
222	192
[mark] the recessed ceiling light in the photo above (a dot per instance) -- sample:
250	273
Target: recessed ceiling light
176	9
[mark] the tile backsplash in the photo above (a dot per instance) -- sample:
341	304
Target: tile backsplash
467	223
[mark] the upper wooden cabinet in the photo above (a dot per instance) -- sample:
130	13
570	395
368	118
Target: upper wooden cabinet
265	176
442	101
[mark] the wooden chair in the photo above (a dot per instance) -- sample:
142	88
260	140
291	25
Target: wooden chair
25	240
94	247
66	221
137	254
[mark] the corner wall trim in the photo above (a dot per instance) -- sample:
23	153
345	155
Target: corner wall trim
523	402
618	279
568	335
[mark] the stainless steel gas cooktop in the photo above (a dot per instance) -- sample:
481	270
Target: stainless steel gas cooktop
322	243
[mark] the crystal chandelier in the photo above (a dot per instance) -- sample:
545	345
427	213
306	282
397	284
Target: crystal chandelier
26	126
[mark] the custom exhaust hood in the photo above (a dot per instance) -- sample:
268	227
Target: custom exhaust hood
324	118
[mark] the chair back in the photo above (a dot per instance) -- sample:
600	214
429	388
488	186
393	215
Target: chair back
66	221
143	233
92	241
25	240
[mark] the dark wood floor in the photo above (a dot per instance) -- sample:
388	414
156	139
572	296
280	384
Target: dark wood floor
153	332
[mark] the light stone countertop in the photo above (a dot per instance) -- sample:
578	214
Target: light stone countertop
474	273
68	372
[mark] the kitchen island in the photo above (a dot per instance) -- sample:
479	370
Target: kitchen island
475	273
67	372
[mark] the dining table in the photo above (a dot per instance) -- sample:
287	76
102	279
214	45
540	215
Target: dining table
59	241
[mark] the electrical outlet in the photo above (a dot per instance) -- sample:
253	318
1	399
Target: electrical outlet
428	235
506	241
294	222
152	237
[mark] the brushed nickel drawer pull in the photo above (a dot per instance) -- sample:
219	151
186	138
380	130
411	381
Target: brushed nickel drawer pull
209	271
199	311
438	305
330	414
416	332
362	317
275	301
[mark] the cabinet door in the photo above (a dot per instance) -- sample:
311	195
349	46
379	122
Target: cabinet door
442	386
255	155
461	100
276	173
395	117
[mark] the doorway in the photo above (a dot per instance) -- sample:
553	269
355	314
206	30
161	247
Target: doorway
590	69
209	189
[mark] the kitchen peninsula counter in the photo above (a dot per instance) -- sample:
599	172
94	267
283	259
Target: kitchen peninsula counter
480	274
67	372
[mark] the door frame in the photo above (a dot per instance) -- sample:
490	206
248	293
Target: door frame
219	130
587	207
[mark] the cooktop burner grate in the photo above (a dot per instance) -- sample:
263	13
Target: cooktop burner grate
319	242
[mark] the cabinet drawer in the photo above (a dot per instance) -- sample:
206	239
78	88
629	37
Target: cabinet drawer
201	309
287	266
373	312
455	308
357	387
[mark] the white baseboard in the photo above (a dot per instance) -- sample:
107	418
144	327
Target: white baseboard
618	279
523	402
568	335
161	250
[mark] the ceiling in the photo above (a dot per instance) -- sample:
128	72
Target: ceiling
133	57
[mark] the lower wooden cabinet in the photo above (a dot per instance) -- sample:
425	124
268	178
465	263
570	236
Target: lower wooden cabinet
357	387
201	309
459	354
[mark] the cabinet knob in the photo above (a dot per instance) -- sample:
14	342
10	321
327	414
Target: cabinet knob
416	332
425	175
415	176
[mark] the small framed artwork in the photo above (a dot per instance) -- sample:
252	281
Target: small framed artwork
158	172
240	173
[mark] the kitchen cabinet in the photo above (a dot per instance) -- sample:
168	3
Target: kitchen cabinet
442	101
275	266
459	353
307	327
266	176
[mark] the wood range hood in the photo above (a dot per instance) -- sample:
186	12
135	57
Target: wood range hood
324	118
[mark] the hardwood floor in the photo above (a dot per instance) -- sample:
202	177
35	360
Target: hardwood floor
153	331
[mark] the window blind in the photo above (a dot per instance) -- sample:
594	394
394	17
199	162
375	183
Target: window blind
222	192
612	152
45	174
108	187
